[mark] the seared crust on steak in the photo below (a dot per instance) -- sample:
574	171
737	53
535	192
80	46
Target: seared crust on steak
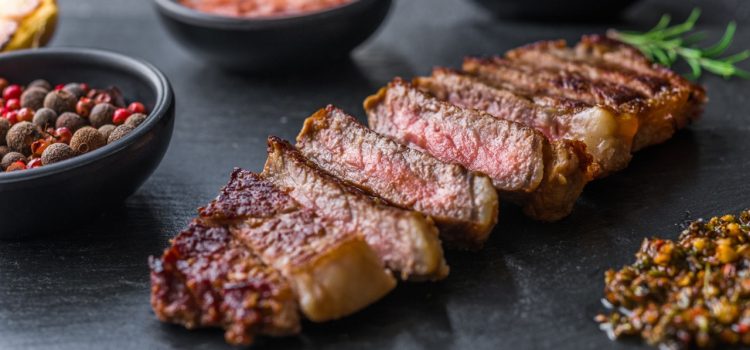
208	279
601	71
333	270
523	165
463	204
608	136
405	240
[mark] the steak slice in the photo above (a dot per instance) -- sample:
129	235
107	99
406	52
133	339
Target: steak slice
332	270
602	71
545	178
208	279
405	240
608	136
462	203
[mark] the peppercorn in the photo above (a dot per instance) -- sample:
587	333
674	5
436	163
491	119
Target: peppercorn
34	163
87	139
19	165
45	117
75	89
33	98
57	152
3	83
60	101
119	133
11	158
21	135
84	106
135	119
101	114
63	135
40	83
3	151
12	91
25	114
137	107
121	115
106	130
4	127
71	121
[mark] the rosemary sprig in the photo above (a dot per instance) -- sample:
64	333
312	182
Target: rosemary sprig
666	44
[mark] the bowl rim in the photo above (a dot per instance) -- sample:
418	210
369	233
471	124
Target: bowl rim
185	14
148	72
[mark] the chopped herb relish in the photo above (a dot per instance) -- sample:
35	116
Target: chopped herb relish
689	293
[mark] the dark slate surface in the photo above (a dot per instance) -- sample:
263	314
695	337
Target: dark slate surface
533	286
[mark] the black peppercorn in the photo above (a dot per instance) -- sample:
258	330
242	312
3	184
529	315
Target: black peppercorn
33	98
119	132
44	118
11	158
101	114
75	89
57	152
87	139
40	83
71	121
60	101
106	130
21	135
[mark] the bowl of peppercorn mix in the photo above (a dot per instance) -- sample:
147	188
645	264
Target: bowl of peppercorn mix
82	128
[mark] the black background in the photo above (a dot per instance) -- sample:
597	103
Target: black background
533	286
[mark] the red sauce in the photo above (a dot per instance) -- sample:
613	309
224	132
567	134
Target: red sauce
261	8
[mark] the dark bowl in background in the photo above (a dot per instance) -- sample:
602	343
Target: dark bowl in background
52	199
297	41
558	10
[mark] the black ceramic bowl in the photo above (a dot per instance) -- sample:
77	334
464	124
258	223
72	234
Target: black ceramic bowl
558	10
53	198
276	42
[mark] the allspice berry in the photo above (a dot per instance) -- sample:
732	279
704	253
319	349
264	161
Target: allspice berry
87	139
135	119
60	101
44	118
33	98
101	114
11	158
71	121
106	130
40	83
3	151
4	127
21	135
57	152
75	89
119	132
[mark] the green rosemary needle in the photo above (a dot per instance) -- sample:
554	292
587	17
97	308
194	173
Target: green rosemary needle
666	44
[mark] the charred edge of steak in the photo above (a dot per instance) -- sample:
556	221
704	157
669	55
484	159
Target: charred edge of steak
405	240
332	270
206	279
608	136
564	167
462	203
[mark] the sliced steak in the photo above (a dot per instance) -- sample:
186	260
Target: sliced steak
545	178
208	279
608	136
333	271
405	240
462	203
